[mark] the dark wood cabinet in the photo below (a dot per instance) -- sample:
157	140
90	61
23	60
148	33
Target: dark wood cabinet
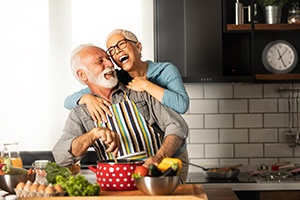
203	41
188	33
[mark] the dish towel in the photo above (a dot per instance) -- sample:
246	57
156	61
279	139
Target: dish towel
138	139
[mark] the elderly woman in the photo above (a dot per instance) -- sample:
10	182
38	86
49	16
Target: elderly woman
161	80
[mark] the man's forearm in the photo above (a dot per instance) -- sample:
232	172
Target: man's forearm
170	145
81	144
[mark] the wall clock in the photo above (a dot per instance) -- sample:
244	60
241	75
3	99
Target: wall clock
279	57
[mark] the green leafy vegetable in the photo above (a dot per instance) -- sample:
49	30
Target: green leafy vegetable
78	186
54	170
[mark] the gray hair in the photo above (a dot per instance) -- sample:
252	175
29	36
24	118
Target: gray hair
76	61
127	34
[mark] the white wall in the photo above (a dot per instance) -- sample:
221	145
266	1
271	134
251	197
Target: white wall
36	39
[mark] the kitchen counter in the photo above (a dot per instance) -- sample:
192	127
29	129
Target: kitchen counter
183	192
244	185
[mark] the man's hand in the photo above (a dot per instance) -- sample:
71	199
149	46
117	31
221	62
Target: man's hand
96	106
81	144
153	160
170	145
110	139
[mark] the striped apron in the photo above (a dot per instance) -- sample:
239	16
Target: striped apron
138	139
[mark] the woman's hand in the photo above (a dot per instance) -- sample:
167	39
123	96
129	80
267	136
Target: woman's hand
138	84
96	106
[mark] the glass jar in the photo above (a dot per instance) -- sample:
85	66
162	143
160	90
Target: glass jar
39	168
12	151
294	14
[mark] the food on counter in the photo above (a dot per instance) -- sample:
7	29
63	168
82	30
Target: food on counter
154	171
166	163
53	170
38	189
9	169
49	189
7	160
167	167
42	187
78	186
74	185
140	171
34	187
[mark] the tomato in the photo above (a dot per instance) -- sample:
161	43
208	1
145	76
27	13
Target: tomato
140	171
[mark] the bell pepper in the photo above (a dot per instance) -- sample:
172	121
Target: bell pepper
166	163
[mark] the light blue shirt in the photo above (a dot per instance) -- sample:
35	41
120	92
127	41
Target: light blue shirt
164	74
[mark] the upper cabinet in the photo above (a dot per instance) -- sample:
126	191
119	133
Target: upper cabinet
189	34
203	40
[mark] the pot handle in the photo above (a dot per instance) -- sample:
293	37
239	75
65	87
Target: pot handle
93	168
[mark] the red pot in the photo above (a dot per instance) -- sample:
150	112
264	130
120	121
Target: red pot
115	176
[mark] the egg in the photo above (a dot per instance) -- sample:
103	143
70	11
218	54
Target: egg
41	188
20	186
34	186
27	186
58	188
49	189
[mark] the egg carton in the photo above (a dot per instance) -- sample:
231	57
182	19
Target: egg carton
24	193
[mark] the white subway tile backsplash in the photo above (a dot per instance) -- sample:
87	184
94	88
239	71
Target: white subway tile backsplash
204	136
218	150
194	121
204	106
272	90
233	135
227	162
276	120
218	121
239	123
247	91
248	150
262	105
278	150
196	150
263	135
248	120
233	106
283	105
195	91
218	90
259	161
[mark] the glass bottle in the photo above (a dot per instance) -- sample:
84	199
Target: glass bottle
12	150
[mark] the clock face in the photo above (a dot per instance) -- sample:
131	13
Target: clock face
279	57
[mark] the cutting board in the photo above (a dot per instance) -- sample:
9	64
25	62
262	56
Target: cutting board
183	192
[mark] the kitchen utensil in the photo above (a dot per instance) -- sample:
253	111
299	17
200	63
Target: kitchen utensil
217	169
220	173
298	107
290	137
157	185
115	176
9	182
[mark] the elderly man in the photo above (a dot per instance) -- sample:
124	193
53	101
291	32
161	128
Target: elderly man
92	66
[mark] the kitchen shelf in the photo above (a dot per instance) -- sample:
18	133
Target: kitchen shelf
274	27
277	77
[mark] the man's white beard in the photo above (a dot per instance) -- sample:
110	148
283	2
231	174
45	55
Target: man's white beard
102	81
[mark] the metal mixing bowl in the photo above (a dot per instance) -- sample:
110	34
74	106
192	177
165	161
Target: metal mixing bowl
9	182
157	185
